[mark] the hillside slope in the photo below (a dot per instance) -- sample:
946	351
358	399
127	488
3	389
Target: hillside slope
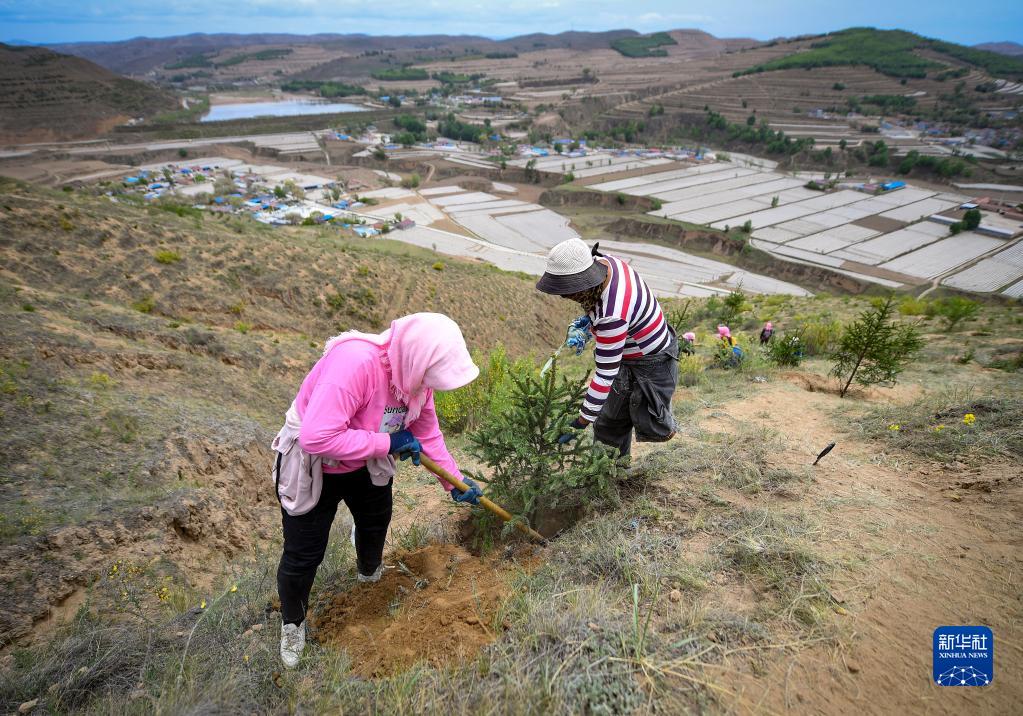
46	96
138	398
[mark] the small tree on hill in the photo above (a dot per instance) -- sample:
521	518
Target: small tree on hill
733	305
875	349
955	310
519	443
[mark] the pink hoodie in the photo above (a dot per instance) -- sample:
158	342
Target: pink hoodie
359	391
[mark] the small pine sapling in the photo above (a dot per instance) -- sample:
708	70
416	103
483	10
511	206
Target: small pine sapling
875	349
529	469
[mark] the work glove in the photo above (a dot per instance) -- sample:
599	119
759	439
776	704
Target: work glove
578	334
568	437
405	446
471	496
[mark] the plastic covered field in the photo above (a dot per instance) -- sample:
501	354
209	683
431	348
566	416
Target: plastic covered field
936	259
700	184
992	273
918	210
619	184
888	246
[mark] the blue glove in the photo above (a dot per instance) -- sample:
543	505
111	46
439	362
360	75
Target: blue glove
472	495
568	437
405	446
578	334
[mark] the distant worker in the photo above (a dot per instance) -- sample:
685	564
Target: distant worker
636	349
688	344
766	333
369	397
732	354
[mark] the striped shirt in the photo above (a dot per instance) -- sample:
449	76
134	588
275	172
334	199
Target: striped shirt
627	323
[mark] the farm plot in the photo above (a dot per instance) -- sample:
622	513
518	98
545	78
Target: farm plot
780	214
592	164
691	171
702	201
517	235
472	197
1014	291
938	258
918	210
703	183
486	206
584	169
992	273
440	190
833	239
888	246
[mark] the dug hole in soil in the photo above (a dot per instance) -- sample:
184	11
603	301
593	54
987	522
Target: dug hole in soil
439	603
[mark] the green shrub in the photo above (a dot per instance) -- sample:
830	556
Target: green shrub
466	407
167	257
690	370
438	266
911	306
955	310
786	350
819	336
733	305
144	305
242	326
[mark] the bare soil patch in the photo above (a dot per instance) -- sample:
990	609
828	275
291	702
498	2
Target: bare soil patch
440	604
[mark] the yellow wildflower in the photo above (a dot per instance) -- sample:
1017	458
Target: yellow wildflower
938	428
233	589
202	604
894	427
969	419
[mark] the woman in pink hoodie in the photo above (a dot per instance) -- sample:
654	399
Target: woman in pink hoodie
369	397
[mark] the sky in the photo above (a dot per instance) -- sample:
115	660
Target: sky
91	20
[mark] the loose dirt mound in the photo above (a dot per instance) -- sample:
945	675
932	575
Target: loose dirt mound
439	603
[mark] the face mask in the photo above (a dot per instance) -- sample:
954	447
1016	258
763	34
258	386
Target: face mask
588	298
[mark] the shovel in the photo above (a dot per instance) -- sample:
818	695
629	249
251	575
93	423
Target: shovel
493	507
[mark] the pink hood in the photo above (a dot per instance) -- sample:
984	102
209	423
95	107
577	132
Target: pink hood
723	331
690	336
424	351
769	326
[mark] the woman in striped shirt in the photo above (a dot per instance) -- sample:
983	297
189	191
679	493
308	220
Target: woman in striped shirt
636	350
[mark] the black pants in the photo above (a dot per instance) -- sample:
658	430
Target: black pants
640	398
306	536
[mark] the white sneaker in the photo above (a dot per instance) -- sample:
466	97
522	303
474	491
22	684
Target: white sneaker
375	577
292	644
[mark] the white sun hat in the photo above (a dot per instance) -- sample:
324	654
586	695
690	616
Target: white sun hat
571	268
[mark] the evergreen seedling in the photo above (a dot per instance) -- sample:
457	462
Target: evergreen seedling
875	349
529	468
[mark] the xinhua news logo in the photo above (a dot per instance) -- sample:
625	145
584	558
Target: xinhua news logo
964	656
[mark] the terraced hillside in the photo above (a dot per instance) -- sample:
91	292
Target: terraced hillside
812	97
47	96
160	351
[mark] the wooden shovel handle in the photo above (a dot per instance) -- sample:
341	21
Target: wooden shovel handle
490	505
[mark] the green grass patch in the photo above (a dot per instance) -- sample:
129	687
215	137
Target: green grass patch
891	52
644	45
401	74
952	425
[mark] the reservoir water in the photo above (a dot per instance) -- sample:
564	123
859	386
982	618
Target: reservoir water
286	108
